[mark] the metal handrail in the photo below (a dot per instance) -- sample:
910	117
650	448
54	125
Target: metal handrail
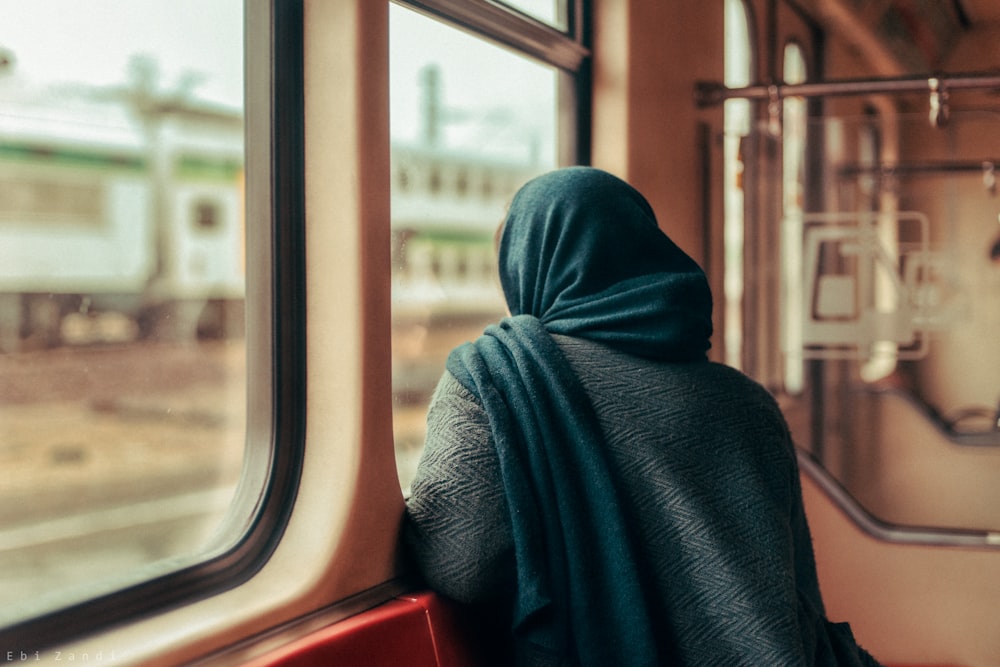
712	93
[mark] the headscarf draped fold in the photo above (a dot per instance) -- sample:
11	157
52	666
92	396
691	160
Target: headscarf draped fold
580	254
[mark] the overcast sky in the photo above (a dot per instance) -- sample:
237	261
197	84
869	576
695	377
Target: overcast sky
91	41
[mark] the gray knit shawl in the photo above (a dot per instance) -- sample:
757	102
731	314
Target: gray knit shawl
711	488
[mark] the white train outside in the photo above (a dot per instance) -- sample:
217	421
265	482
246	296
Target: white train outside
127	224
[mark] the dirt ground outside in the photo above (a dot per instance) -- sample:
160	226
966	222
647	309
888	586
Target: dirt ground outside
116	456
84	427
113	457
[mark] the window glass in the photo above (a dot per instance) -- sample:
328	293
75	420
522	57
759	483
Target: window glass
121	290
738	63
899	316
793	193
552	12
470	123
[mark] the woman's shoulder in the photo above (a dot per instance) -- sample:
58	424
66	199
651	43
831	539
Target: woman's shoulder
613	376
449	388
585	353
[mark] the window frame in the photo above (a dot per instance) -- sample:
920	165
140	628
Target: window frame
274	149
510	27
568	51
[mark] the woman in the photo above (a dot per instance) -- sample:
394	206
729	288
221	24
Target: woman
587	469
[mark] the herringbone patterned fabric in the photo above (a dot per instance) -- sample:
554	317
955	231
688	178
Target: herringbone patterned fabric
707	474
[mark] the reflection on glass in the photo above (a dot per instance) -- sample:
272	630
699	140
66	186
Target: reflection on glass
121	289
918	445
470	123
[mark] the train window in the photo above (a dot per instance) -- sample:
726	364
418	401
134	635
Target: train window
122	352
738	72
206	215
892	323
470	122
794	124
884	298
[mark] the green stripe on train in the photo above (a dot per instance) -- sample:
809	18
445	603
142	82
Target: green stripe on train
194	167
70	157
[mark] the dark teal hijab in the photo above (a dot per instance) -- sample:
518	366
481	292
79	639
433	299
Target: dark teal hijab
580	254
581	251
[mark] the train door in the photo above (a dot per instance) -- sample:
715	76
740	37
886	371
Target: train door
861	257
